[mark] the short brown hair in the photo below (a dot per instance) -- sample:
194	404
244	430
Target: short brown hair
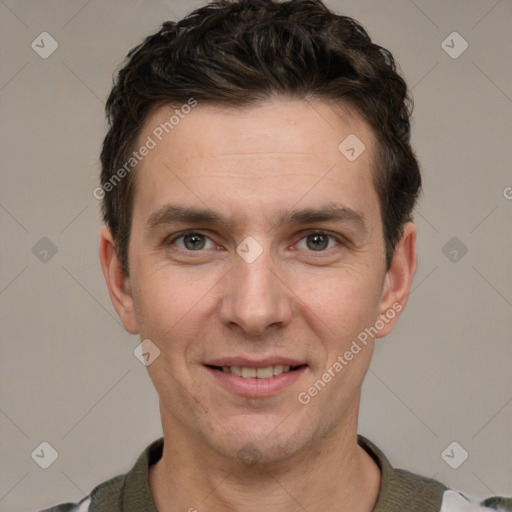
237	53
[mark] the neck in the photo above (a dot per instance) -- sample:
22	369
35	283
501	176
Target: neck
333	474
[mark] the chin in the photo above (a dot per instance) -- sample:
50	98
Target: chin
260	446
254	454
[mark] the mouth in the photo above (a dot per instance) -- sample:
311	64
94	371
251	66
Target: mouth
266	372
264	378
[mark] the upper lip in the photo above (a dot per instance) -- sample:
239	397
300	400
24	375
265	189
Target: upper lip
254	363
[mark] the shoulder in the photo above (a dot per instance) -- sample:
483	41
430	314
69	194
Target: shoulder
131	487
456	502
107	493
403	490
82	506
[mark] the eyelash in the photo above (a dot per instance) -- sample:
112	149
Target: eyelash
305	235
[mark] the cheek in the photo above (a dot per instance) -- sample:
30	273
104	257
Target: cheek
344	301
169	302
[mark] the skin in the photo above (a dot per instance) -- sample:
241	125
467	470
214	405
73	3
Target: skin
223	451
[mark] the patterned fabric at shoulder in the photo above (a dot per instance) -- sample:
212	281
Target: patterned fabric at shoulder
456	502
83	506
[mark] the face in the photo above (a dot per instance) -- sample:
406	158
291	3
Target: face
256	248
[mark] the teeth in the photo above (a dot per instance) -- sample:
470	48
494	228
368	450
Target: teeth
235	370
264	373
278	369
249	373
258	373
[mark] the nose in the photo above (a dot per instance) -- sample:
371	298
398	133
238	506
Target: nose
255	297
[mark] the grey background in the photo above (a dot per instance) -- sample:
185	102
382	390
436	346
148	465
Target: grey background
68	375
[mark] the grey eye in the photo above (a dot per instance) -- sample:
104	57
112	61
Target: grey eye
193	242
318	241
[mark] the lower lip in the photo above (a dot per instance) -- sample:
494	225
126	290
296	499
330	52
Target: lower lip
256	387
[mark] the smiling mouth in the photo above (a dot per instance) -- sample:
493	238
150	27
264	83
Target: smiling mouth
256	373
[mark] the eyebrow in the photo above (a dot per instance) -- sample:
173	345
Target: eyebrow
332	212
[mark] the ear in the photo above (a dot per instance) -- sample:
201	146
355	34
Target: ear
398	280
118	282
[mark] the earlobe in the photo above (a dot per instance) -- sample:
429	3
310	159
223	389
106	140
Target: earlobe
119	285
398	279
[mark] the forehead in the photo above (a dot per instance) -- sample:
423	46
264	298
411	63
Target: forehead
255	161
304	128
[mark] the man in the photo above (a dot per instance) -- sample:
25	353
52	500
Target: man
258	185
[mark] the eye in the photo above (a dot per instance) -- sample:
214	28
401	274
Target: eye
192	241
318	241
